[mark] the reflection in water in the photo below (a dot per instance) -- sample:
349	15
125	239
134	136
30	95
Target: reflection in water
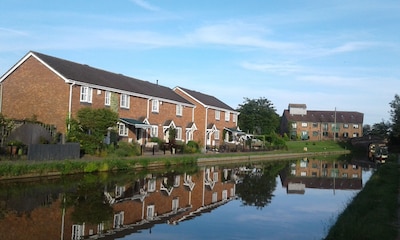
110	206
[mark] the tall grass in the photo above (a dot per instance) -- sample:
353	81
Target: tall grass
373	212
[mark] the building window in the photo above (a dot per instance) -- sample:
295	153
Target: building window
175	204
214	197
118	219
345	125
355	126
304	124
179	110
154	106
355	134
315	125
122	130
154	131
151	186
224	195
216	135
77	231
150	212
345	134
86	94
234	118
217	114
177	180
325	134
227	116
294	125
107	98
178	133
124	101
325	127
215	176
315	133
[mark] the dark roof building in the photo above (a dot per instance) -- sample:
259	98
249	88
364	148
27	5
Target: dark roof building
298	122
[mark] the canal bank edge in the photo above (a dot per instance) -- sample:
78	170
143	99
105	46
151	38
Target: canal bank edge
19	174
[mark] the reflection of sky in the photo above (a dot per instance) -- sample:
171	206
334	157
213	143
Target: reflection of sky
288	216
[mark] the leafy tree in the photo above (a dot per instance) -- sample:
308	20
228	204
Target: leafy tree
381	129
258	116
395	117
90	128
6	125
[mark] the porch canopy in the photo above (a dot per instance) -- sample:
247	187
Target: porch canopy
135	123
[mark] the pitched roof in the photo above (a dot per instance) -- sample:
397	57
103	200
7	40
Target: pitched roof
85	74
207	100
326	116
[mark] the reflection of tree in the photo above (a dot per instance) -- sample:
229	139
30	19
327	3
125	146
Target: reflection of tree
89	203
257	188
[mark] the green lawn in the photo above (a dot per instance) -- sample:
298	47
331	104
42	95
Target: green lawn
317	146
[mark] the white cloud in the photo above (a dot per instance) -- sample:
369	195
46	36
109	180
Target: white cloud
145	5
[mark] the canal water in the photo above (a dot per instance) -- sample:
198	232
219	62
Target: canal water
293	199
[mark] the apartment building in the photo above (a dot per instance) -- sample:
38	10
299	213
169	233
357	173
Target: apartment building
300	123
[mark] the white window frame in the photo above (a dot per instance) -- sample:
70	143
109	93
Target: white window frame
214	197
86	94
216	134
118	219
217	115
234	117
177	180
227	116
78	231
150	212
178	131
154	131
124	101
304	124
155	106
175	204
355	126
151	185
224	195
107	98
179	110
122	130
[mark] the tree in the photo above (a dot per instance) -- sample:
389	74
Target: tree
395	117
90	128
258	116
381	129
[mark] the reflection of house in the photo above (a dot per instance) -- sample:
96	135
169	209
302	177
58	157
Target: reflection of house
212	117
52	89
297	121
168	198
319	174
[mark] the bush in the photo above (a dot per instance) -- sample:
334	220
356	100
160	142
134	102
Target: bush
125	149
192	147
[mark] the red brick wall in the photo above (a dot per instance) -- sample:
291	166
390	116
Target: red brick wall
33	89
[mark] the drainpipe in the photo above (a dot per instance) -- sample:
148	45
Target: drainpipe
70	105
148	108
205	131
1	98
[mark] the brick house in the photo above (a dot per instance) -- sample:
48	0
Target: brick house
297	121
53	90
215	120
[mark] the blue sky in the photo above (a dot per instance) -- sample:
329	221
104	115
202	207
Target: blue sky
326	54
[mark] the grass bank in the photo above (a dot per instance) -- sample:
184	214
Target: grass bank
24	168
373	212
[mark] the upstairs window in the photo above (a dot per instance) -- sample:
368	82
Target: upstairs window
124	103
154	106
234	118
227	116
217	114
86	94
107	98
179	110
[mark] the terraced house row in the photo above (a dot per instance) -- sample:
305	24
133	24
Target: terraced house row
54	89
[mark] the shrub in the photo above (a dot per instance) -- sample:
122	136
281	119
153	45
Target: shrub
125	149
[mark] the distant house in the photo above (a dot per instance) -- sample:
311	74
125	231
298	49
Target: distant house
53	90
216	121
298	122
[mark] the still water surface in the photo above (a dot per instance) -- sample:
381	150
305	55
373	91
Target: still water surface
297	199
